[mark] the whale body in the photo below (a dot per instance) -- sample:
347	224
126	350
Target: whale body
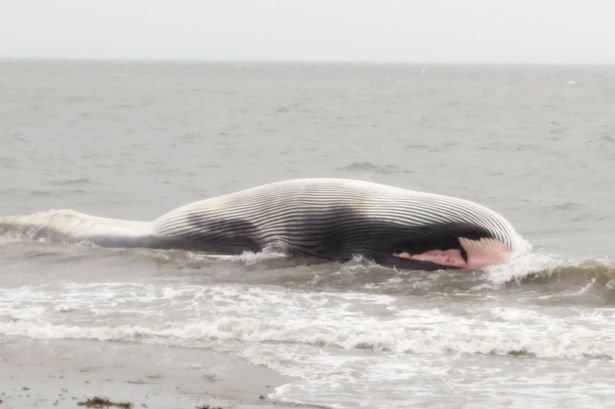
333	219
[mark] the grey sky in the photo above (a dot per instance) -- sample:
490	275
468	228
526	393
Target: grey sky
516	31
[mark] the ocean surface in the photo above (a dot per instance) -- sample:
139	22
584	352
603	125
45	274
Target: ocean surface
134	140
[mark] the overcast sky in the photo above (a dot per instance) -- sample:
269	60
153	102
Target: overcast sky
469	31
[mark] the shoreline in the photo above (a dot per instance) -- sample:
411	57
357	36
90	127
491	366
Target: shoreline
60	373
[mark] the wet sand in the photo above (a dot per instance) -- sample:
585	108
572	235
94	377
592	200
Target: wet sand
62	373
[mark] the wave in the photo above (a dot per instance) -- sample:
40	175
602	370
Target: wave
72	182
554	279
214	316
536	276
372	168
228	330
584	270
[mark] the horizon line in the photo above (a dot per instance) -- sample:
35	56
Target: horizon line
296	62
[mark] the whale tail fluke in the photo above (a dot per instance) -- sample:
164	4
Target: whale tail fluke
72	226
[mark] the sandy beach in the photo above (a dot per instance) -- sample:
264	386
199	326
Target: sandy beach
61	373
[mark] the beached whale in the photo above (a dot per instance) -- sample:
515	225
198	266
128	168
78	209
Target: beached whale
334	219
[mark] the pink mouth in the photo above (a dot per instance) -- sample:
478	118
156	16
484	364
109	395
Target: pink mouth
450	258
481	253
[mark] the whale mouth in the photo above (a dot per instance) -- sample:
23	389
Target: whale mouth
472	254
449	258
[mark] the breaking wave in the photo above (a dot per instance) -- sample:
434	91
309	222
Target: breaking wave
534	275
215	316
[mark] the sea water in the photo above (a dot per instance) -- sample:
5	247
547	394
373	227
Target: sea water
133	140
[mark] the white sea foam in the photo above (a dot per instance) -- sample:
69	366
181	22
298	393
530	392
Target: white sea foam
522	264
193	315
249	257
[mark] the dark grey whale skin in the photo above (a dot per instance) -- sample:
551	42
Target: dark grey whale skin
339	239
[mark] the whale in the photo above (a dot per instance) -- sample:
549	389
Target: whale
328	219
